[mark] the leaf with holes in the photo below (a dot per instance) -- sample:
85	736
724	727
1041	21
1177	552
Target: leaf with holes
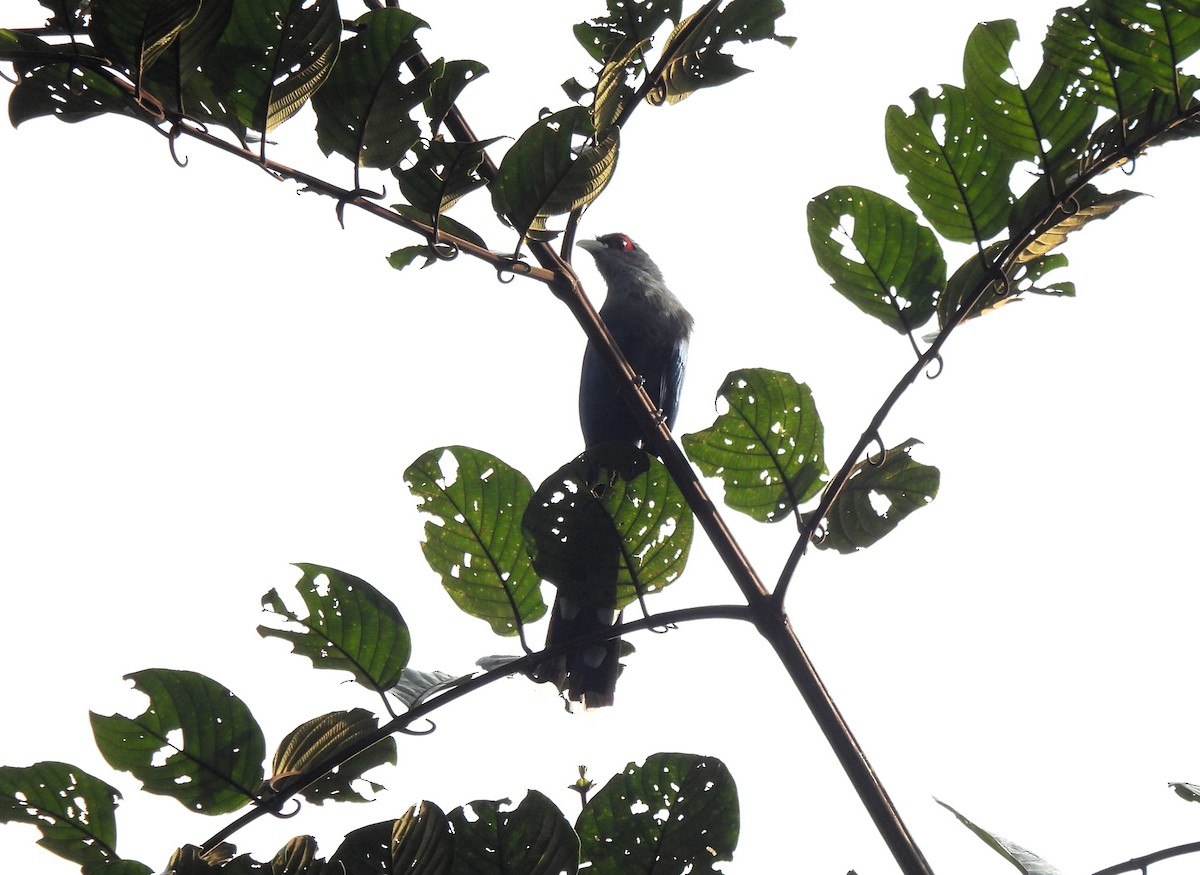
319	741
273	57
442	174
877	497
475	541
533	839
1045	122
559	164
609	526
1059	218
74	811
629	23
692	58
879	257
350	626
768	447
363	112
196	742
456	76
297	857
957	174
422	841
676	813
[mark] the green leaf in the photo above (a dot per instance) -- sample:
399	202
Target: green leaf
677	813
629	23
877	497
70	92
135	33
456	76
176	80
366	849
422	841
768	447
319	740
403	257
475	541
1047	123
692	53
897	267
297	857
547	173
1026	861
442	174
74	811
273	56
609	526
614	87
197	742
414	686
1148	39
957	175
533	839
363	109
350	626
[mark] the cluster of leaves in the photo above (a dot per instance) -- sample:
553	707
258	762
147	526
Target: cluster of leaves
1108	88
249	65
199	744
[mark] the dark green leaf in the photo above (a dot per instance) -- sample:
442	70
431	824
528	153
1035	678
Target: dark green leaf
958	177
768	447
897	267
422	842
67	91
442	173
1026	861
546	173
676	814
533	839
615	87
475	541
1047	123
456	76
609	526
1148	39
74	811
692	52
405	256
877	497
197	742
363	109
350	626
273	57
628	23
366	849
320	740
176	80
134	33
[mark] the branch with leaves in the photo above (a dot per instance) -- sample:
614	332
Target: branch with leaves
1110	87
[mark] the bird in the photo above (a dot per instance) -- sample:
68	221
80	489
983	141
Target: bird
652	329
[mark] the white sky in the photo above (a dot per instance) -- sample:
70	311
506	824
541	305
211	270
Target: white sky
205	379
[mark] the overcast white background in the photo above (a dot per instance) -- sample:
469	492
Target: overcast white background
204	379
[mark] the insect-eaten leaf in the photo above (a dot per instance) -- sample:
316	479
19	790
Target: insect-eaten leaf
559	164
879	494
878	255
474	540
350	626
609	526
196	742
768	447
676	812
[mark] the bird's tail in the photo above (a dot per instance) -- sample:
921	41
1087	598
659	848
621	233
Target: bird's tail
589	673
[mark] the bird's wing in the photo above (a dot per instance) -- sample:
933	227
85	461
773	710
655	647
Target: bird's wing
672	381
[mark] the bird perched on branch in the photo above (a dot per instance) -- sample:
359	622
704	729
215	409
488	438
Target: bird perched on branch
652	329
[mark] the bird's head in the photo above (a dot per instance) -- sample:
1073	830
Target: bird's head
622	263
